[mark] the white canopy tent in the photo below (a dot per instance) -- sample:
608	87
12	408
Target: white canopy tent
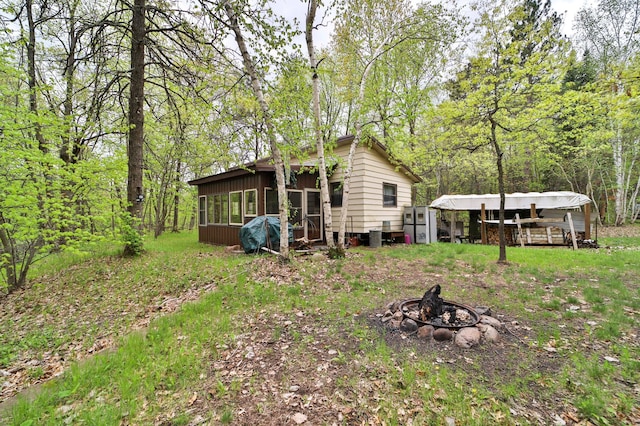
532	201
515	201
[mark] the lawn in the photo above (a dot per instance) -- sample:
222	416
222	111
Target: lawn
190	334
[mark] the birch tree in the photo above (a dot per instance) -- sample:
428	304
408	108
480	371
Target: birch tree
366	32
312	7
238	16
611	32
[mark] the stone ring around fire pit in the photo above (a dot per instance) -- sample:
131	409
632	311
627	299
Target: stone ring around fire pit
465	316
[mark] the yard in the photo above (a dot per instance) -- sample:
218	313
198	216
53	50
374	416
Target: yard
189	334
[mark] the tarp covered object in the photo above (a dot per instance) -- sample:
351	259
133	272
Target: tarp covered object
515	201
263	231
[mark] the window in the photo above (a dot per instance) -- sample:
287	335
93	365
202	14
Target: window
202	211
235	208
251	202
271	202
221	209
295	208
295	205
211	208
389	195
336	194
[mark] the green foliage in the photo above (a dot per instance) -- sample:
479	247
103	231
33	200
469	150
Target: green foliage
131	235
507	93
336	253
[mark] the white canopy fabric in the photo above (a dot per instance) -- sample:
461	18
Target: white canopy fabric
515	201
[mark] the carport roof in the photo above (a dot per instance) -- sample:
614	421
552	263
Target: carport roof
515	201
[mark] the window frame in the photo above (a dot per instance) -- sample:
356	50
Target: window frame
388	202
247	203
211	209
267	191
299	210
202	210
235	213
335	193
221	209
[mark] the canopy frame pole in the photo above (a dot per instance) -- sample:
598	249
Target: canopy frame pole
573	231
483	224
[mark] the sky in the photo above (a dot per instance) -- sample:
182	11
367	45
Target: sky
297	9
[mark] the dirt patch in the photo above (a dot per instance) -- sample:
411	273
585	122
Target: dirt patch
304	364
618	231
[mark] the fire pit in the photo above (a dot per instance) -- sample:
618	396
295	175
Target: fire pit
433	318
465	316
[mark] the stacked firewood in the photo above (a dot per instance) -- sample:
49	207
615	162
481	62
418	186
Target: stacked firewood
493	237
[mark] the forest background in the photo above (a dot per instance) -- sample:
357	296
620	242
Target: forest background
108	108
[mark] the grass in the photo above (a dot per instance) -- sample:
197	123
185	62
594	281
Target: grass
267	340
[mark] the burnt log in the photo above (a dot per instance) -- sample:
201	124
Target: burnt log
431	304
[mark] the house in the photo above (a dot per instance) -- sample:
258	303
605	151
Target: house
380	189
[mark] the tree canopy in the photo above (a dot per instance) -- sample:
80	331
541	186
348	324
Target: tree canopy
92	128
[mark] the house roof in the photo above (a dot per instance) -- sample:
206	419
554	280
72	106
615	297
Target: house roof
384	151
515	201
266	164
262	165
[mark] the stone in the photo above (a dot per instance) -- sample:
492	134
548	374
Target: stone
490	334
484	319
317	256
426	332
408	325
468	337
299	418
483	310
395	306
398	316
442	334
394	324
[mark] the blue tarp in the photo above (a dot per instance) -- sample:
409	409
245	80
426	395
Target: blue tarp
263	231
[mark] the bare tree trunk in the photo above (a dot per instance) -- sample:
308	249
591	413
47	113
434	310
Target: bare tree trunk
31	71
176	198
69	150
502	258
317	123
9	265
136	114
346	187
618	167
283	200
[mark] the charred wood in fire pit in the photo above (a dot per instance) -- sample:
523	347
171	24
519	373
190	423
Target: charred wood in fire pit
449	315
431	304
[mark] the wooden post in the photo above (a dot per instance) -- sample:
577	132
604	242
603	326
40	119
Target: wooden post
483	224
587	221
533	211
519	229
452	226
573	231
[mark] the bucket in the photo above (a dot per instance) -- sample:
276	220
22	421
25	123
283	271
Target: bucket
375	238
386	225
407	239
